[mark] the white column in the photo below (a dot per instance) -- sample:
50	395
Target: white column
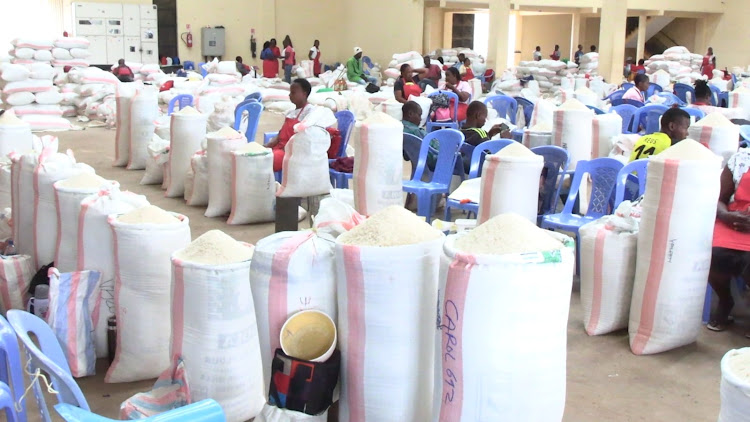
641	42
612	39
498	42
575	34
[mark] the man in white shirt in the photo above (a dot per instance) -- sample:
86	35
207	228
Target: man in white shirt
314	55
538	54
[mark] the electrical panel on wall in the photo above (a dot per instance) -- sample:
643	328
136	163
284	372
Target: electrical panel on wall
212	42
118	31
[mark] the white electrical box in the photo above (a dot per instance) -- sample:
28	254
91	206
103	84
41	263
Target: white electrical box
118	31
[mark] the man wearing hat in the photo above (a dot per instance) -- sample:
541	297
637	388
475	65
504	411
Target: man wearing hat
354	69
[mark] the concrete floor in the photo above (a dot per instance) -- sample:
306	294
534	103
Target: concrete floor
606	382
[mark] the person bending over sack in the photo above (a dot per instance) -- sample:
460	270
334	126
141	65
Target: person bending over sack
298	93
674	128
730	256
123	72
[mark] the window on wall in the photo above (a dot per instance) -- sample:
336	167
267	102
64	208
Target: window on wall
463	30
37	19
481	33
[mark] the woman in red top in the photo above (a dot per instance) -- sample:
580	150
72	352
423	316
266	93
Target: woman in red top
314	55
270	57
555	54
708	58
406	85
298	93
708	70
289	59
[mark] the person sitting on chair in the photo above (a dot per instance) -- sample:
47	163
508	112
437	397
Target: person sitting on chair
298	93
408	84
702	102
433	74
242	68
412	113
123	72
674	128
639	90
354	70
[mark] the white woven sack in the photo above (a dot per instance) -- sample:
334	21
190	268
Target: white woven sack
481	376
61	54
378	171
162	127
14	72
157	156
68	202
196	180
215	332
608	251
305	166
674	254
290	272
187	133
5	183
39	173
144	108
542	113
734	391
19	99
510	185
123	98
16	272
95	250
572	131
142	264
722	140
220	149
271	413
336	217
386	331
604	128
740	98
14	136
253	188
533	139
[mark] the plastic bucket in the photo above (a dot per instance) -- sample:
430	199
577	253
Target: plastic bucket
309	335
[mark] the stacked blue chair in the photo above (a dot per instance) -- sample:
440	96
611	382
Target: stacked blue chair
627	85
643	117
181	101
626	111
635	103
346	121
505	106
257	96
7	404
694	112
450	143
528	108
615	98
596	110
681	91
634	185
11	371
475	170
203	71
453	123
719	98
253	109
653	89
556	162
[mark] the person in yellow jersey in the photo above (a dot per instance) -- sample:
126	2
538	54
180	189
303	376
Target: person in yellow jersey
674	128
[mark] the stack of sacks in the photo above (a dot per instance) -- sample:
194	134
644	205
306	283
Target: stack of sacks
28	89
95	88
330	99
189	85
151	73
29	51
71	52
547	72
678	62
716	133
412	58
449	55
223	114
589	64
508	83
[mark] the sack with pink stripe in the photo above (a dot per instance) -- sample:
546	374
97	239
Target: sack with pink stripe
70	318
213	324
378	170
608	250
492	364
143	285
187	134
95	250
219	149
605	127
674	248
572	130
253	186
335	217
717	133
290	272
16	272
386	300
510	183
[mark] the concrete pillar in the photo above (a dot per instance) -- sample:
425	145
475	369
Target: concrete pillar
447	30
641	40
497	50
575	34
612	39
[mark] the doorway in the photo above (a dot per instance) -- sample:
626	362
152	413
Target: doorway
167	22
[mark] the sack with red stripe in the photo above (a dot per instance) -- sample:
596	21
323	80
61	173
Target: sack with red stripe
290	272
494	360
717	133
608	250
219	150
605	127
335	217
215	331
70	318
572	126
378	171
16	272
386	330
675	239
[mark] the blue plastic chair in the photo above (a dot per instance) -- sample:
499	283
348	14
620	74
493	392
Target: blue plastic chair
49	358
7	404
556	162
653	89
453	124
745	133
719	98
626	111
615	98
253	109
475	170
204	72
182	101
741	286
648	118
188	65
412	147
626	86
203	411
596	110
681	90
11	369
528	108
670	99
450	143
257	96
267	137
635	103
734	80
603	172
694	112
345	125
506	107
366	60
625	178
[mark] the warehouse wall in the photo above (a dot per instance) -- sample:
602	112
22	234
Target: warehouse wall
590	35
305	21
727	35
682	32
545	31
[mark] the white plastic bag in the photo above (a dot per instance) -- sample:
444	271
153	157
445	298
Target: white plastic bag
271	413
220	147
336	217
290	272
142	264
253	188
